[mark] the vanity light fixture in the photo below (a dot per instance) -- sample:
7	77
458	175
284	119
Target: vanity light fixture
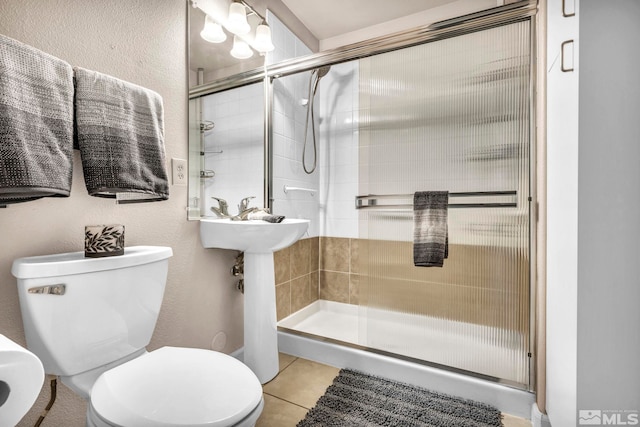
241	49
237	20
263	38
247	34
212	31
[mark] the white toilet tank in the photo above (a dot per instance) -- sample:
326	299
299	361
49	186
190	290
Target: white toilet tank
81	313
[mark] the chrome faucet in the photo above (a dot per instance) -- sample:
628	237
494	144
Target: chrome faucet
222	211
244	215
244	204
244	210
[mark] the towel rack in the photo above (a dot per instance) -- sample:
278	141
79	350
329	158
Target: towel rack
472	199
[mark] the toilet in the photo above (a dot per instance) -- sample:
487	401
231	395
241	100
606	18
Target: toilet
89	320
21	377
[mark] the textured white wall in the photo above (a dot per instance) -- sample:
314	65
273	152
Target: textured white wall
143	42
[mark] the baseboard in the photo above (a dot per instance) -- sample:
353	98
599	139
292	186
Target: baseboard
238	354
538	419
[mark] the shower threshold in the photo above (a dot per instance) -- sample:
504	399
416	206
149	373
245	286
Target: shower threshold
479	349
332	333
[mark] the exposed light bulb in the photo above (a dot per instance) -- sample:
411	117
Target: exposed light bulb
212	31
241	49
263	42
237	20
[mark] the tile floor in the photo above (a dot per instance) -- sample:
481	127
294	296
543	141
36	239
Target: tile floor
300	384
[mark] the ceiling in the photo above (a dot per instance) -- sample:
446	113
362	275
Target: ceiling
330	18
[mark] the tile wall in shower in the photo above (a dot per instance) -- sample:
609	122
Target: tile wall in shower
333	269
316	268
296	276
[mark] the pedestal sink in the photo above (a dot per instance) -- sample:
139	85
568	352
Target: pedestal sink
258	240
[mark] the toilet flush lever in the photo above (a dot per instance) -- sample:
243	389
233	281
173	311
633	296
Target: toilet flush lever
57	289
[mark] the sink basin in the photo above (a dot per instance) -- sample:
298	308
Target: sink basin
251	236
257	239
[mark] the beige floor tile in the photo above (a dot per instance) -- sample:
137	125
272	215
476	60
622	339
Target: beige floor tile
285	360
302	382
511	421
279	413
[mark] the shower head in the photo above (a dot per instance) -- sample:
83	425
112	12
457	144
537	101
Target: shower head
322	71
316	75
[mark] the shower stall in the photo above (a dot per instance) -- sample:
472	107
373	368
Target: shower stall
454	115
352	134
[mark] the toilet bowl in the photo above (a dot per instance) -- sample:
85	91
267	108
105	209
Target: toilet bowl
21	378
89	321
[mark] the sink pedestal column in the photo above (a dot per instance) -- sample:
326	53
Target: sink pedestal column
260	329
257	239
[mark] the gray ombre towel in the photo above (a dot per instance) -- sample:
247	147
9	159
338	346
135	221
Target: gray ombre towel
36	124
120	131
430	229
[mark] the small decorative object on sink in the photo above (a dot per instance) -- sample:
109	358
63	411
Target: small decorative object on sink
103	240
258	239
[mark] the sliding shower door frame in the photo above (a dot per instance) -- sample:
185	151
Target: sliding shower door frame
524	10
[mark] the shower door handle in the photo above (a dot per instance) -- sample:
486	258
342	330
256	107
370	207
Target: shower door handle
566	58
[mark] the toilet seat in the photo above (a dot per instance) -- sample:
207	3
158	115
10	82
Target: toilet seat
177	387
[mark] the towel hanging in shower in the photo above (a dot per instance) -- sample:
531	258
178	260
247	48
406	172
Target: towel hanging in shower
430	229
120	134
36	124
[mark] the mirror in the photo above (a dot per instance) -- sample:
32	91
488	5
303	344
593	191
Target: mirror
226	149
227	127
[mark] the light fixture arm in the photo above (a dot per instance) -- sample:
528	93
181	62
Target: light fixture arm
252	10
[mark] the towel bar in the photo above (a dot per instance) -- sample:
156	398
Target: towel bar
505	199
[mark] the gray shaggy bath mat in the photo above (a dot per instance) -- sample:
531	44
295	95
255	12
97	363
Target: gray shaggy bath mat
357	399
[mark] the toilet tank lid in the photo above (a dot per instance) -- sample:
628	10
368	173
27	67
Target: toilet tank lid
76	263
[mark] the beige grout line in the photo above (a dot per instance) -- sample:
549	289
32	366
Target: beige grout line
292	362
288	401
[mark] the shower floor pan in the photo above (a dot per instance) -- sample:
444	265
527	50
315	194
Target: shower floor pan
333	333
479	349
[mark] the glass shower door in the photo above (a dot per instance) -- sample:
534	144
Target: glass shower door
451	115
